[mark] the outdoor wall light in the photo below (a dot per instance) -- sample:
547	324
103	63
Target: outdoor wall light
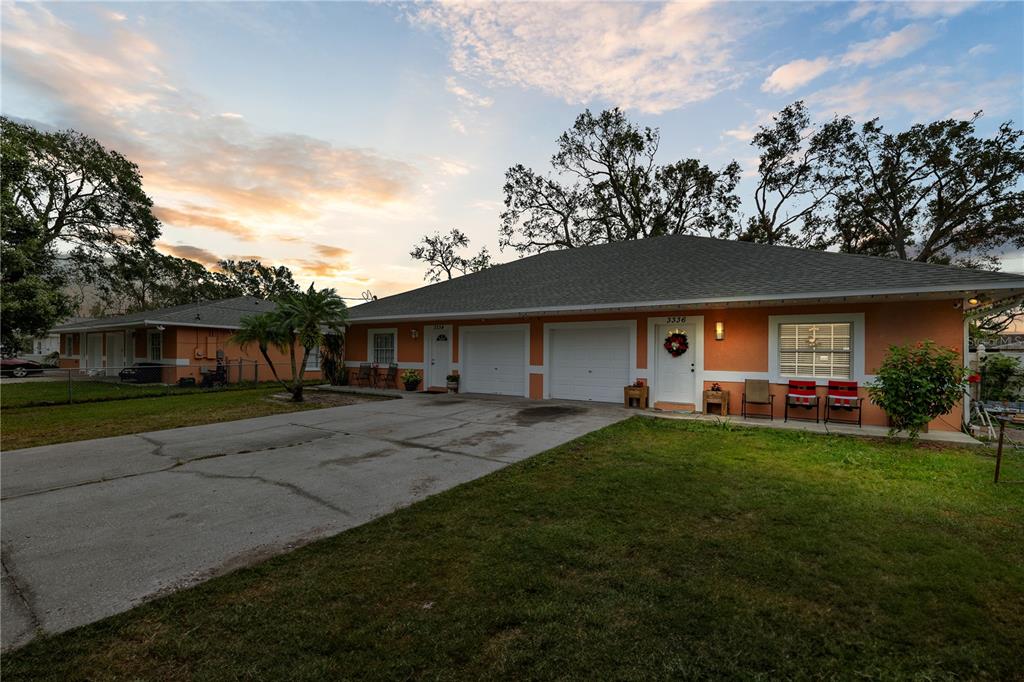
415	334
974	300
719	331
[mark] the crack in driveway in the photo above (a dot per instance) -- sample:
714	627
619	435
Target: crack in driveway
301	492
22	592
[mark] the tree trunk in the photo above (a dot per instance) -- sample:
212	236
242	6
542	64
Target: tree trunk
296	389
273	370
297	395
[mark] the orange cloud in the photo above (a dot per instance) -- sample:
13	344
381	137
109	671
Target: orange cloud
198	254
328	251
195	216
110	83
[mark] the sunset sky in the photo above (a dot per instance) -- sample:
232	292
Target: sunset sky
330	136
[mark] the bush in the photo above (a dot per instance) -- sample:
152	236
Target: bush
410	376
1002	378
917	383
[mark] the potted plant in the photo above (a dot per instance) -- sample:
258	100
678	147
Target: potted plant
411	379
917	383
453	383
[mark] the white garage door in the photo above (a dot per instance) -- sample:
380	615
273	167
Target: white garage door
494	361
589	363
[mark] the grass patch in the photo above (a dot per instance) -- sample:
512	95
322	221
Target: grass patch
648	550
25	427
44	393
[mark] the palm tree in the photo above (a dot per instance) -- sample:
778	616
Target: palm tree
265	330
307	318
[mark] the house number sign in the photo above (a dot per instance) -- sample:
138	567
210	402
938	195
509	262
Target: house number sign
676	320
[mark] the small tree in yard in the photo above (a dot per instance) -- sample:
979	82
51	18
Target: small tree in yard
917	383
264	330
1002	378
302	320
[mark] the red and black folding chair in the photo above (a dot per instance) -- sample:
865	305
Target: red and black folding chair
842	395
803	394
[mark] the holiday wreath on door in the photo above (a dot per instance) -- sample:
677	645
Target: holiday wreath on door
676	343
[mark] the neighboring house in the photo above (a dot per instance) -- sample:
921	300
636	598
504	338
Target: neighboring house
185	339
582	323
44	346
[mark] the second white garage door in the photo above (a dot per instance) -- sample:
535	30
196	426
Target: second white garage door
494	361
588	363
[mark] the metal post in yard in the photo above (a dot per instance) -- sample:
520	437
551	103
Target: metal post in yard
70	397
999	448
256	372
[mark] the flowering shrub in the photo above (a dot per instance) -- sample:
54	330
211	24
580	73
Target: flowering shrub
917	383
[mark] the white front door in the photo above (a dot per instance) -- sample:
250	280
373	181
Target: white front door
493	361
675	378
94	350
439	350
589	362
115	353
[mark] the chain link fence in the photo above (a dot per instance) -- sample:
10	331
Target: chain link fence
33	385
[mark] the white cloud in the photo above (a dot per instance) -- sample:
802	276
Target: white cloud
881	11
893	46
452	167
652	58
920	92
896	44
457	125
465	95
791	76
981	48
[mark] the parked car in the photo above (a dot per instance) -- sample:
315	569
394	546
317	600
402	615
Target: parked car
19	367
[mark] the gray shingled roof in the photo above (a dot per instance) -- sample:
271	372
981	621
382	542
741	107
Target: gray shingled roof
675	270
225	314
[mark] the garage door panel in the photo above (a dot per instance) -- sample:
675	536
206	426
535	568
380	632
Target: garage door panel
589	363
494	362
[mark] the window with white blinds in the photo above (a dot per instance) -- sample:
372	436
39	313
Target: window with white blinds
816	349
384	348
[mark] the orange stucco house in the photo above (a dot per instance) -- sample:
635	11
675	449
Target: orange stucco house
183	341
581	324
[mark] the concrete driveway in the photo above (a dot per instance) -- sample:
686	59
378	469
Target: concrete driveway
93	528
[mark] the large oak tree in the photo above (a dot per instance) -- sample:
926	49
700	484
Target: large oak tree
607	186
937	192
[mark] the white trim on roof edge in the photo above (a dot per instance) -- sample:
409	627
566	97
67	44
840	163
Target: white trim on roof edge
830	296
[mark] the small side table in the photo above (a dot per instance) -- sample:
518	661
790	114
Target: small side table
637	393
720	398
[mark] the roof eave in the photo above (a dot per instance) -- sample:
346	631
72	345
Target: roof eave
140	323
1007	289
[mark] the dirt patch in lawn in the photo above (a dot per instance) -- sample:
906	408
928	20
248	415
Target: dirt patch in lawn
327	398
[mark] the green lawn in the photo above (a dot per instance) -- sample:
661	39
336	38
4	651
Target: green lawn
39	393
649	550
23	427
